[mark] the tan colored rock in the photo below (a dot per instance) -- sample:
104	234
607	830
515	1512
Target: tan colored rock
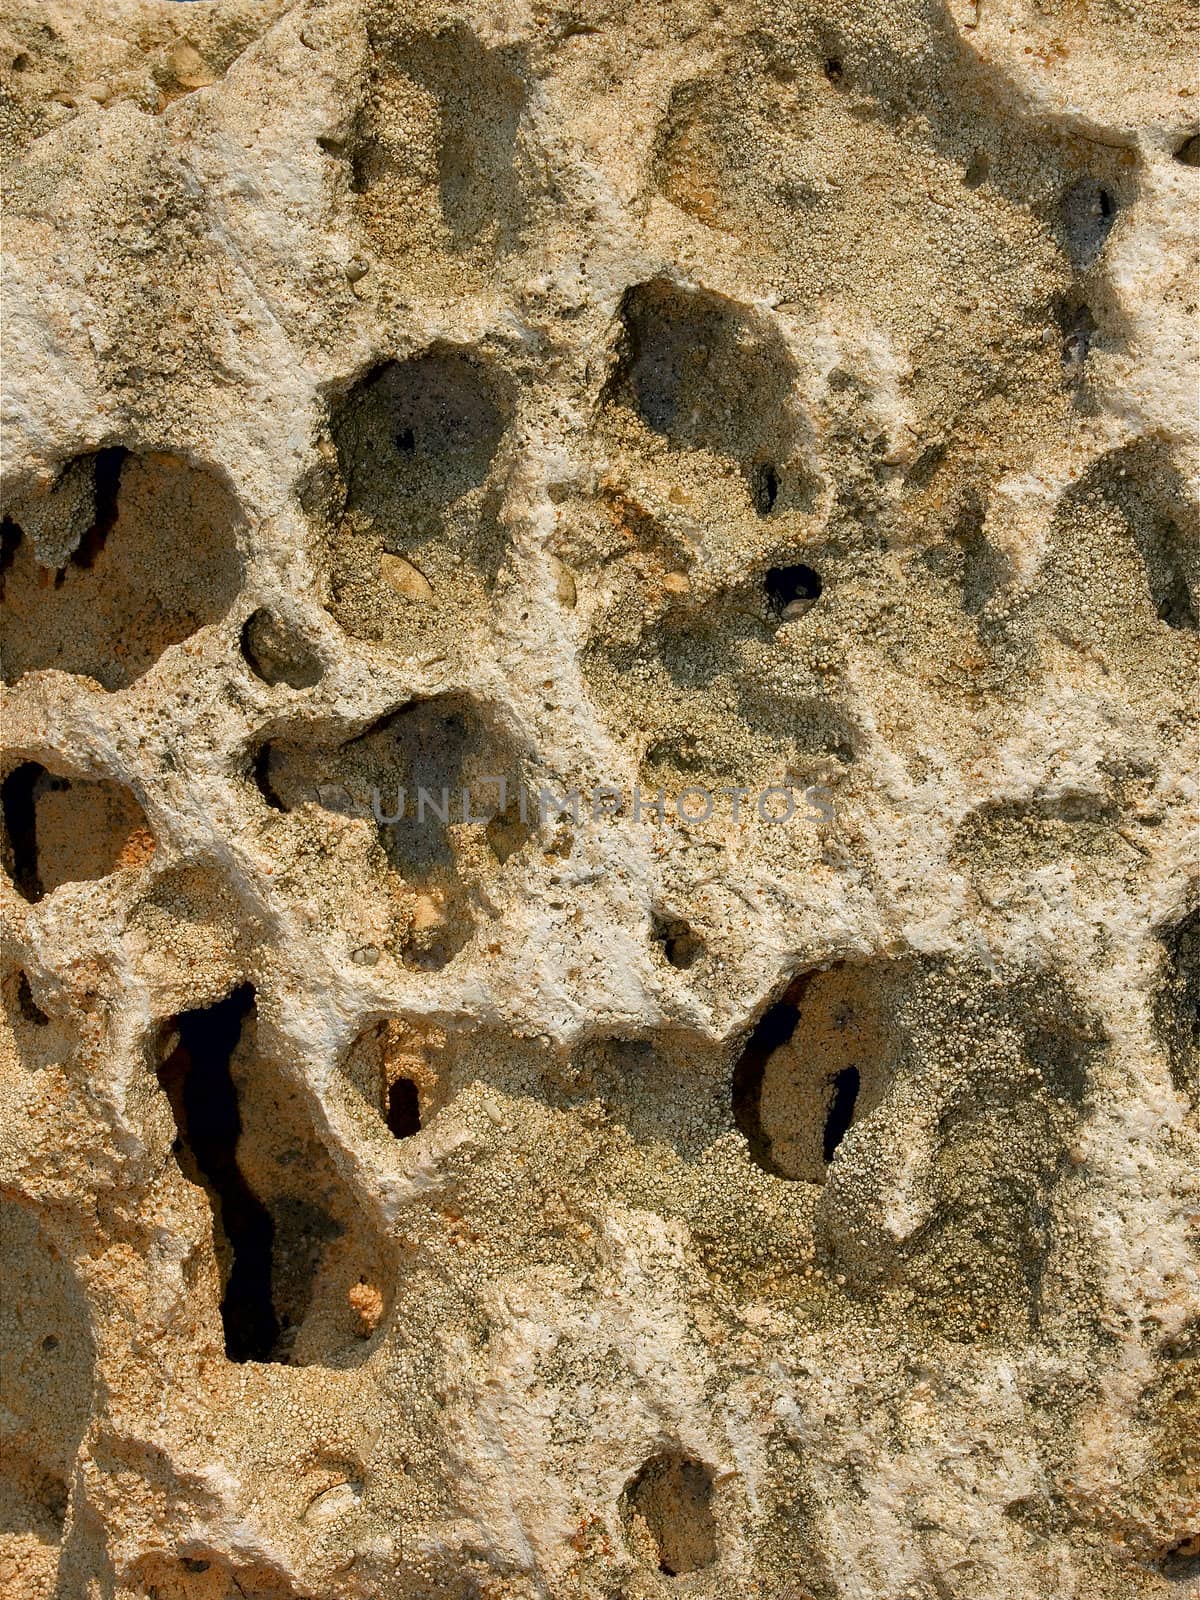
672	1069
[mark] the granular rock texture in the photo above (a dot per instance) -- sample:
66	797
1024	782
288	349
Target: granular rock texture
517	1201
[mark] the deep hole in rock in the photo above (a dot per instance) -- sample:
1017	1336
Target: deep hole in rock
412	769
841	1110
197	1079
293	1248
108	466
764	488
667	1512
1189	151
275	654
389	1067
680	944
10	539
439	417
27	1005
792	591
67	830
17	802
1177	1003
773	1030
142	549
817	1063
706	373
1180	1562
403	1108
421	542
260	770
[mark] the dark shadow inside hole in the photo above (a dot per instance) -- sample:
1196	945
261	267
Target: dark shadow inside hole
261	772
841	1110
403	1108
28	1006
148	525
680	944
834	70
1189	151
764	488
11	535
108	484
18	803
775	1027
704	373
791	591
199	1084
1181	1560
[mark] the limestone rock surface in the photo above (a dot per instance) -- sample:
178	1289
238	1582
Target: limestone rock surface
781	407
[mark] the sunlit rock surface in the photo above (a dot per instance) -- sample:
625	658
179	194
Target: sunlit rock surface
599	1200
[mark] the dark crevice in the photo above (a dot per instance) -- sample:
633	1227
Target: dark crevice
1177	1004
841	1111
10	538
27	1005
1188	152
18	802
1173	600
108	483
764	488
199	1084
261	771
775	1028
403	1108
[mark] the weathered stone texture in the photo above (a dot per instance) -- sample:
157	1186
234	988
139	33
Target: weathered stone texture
673	394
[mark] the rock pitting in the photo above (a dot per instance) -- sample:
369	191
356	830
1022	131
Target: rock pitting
777	406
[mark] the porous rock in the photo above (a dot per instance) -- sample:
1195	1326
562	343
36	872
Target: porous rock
497	1200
